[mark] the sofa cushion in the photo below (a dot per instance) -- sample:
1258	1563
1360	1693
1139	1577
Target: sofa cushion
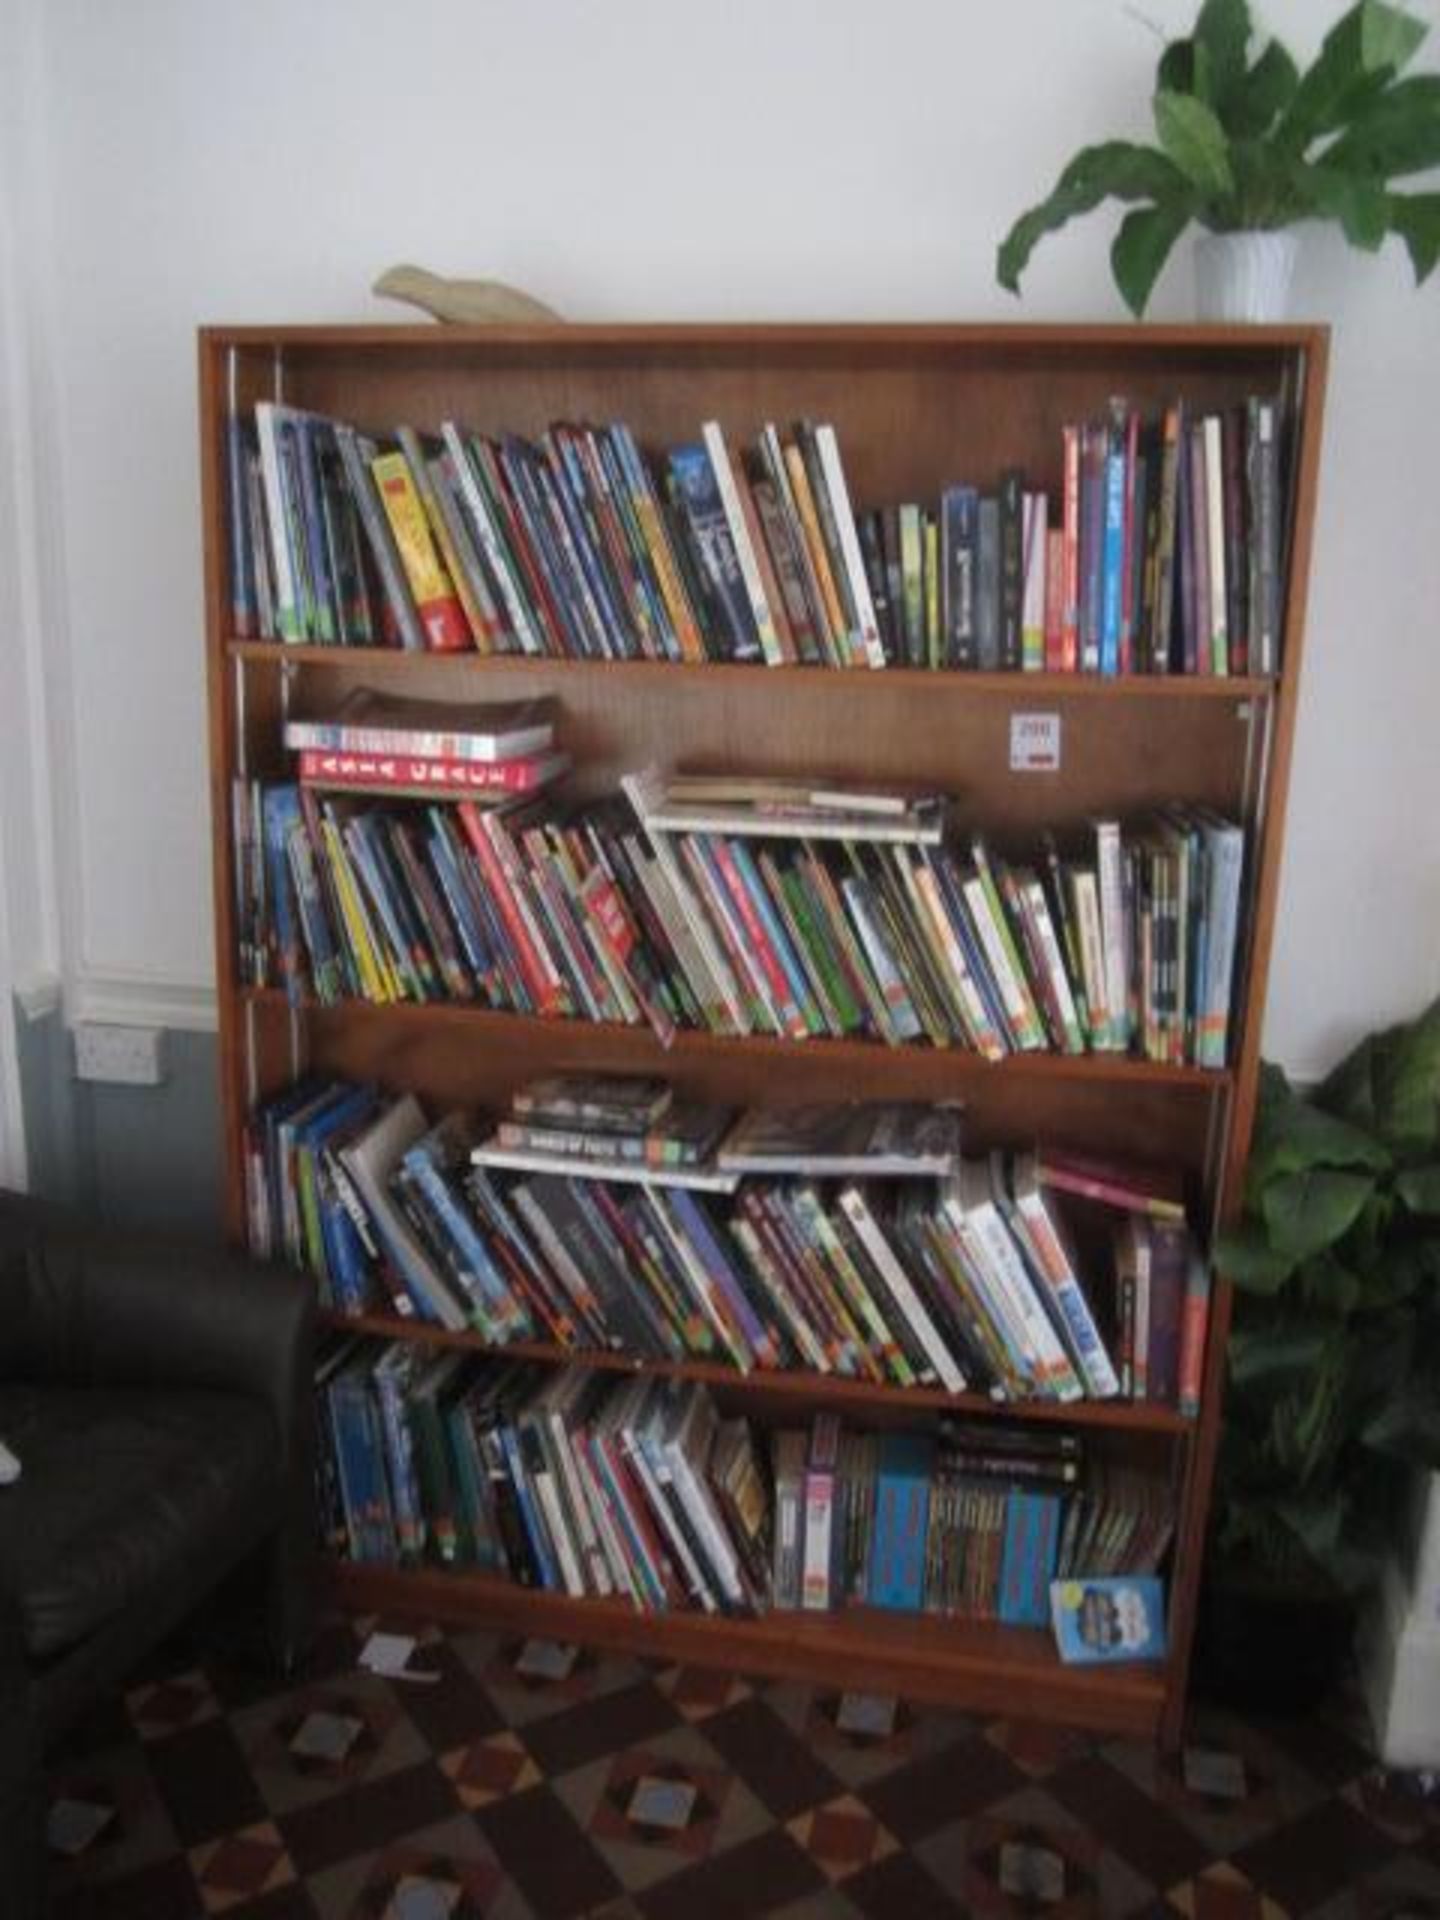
120	1489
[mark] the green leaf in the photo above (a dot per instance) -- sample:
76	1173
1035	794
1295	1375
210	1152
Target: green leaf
1419	1188
1361	205
1266	90
1118	170
1396	133
1222	34
1362	52
1297	1135
1184	69
1307	1211
1247	1258
1194	139
1270	1353
1407	1082
1416	218
1142	246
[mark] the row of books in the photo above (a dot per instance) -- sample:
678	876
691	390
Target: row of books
576	1483
1161	553
970	1278
835	919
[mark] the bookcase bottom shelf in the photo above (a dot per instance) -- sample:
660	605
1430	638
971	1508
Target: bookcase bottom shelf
974	1664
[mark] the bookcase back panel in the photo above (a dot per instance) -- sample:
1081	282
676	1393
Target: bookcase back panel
918	730
459	1057
914	411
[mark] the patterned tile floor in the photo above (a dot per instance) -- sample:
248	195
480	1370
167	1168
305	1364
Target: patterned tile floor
529	1782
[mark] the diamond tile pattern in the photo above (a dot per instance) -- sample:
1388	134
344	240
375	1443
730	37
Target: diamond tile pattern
536	1782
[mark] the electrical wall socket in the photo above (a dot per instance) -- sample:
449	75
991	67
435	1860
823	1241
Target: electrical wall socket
119	1055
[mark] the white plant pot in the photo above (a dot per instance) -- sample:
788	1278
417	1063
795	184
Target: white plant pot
1244	276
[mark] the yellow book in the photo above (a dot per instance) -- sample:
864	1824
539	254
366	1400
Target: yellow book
441	615
931	543
838	637
377	975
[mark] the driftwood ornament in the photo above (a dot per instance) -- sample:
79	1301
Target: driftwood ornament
464	302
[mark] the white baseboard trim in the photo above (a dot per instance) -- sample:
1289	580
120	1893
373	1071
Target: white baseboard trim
116	1000
38	996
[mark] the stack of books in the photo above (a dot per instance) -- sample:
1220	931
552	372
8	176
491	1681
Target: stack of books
1158	552
603	1214
744	906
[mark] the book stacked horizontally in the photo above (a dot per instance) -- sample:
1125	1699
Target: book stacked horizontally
390	744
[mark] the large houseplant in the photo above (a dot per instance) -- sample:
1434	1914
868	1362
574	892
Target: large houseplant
1253	147
1333	1364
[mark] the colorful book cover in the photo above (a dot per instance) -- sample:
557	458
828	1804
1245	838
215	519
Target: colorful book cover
902	1501
1118	1618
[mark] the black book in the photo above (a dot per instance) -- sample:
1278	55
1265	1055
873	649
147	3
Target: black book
959	561
1012	568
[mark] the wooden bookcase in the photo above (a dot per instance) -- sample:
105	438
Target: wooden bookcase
916	407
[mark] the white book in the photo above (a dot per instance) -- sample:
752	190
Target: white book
1109	867
1012	1290
1034	523
828	448
740	537
370	1159
901	1289
492	1153
637	792
287	609
1050	1257
1215	538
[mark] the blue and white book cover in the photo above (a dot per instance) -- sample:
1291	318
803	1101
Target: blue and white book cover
1118	1618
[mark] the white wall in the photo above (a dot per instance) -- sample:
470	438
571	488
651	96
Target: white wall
637	159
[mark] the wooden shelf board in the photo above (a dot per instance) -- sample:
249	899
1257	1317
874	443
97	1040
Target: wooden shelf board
974	1663
1005	686
793	1384
644	1052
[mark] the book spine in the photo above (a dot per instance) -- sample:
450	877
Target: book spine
828	448
1012	569
360	769
1215	545
1069	658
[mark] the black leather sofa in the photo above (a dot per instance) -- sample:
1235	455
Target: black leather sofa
159	1402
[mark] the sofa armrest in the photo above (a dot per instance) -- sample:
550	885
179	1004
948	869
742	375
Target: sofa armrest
119	1308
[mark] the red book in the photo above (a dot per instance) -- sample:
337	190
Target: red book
1138	1188
1055	600
1194	1324
410	773
544	984
1069	657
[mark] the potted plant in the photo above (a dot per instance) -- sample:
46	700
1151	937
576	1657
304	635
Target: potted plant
1246	149
1333	1362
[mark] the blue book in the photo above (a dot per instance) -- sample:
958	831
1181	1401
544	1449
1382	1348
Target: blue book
1112	562
1113	1619
714	547
1028	1560
903	1468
